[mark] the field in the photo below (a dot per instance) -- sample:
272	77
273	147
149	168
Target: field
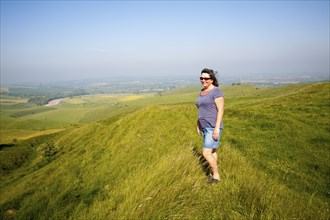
138	157
20	120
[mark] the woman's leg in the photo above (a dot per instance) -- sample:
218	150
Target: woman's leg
211	157
214	154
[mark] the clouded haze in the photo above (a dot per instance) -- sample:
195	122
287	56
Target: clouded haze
60	40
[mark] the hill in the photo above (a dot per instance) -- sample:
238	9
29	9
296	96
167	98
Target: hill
146	164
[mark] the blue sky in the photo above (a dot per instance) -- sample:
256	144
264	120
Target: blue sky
65	40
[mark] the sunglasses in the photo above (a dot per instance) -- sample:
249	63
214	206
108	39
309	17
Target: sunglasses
205	78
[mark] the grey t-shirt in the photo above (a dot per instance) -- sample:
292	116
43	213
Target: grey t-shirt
207	110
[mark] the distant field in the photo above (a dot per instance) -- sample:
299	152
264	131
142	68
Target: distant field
2	89
11	100
19	119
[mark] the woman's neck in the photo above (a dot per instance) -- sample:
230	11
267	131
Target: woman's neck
209	87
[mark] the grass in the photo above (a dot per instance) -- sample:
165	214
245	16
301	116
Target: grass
14	135
31	111
19	120
146	163
305	118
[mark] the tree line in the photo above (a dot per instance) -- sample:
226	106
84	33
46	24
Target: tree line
42	95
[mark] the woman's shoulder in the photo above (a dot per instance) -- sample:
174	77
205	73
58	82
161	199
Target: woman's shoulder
217	90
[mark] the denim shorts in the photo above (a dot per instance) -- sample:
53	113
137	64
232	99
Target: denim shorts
208	141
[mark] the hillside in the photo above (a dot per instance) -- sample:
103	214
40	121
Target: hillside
146	164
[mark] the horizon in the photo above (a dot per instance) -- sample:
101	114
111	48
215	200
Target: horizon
177	81
80	40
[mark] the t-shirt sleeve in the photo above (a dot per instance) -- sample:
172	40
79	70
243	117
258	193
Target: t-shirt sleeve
217	93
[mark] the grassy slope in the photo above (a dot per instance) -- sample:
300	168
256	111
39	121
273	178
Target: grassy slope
146	164
21	121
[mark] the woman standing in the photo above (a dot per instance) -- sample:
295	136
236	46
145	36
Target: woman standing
210	104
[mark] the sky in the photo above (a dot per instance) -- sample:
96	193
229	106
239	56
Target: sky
73	40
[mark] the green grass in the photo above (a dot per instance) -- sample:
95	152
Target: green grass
145	163
19	119
289	134
31	111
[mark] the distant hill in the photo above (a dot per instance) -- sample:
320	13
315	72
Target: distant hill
146	163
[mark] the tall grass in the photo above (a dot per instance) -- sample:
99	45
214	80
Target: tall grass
147	164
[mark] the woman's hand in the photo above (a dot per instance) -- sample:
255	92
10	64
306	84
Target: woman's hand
215	134
198	130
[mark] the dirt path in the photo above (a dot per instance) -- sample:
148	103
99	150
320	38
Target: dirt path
55	102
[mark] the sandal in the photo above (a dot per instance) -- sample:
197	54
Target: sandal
212	180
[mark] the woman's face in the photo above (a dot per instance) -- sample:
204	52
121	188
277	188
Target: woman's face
206	80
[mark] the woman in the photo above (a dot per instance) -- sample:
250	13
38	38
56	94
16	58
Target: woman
210	104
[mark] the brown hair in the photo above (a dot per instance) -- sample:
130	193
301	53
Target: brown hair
212	76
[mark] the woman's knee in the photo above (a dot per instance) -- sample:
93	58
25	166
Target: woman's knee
207	152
